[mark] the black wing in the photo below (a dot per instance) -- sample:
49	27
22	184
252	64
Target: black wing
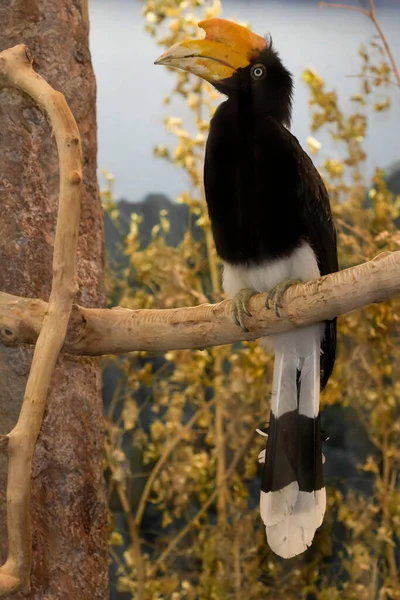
319	229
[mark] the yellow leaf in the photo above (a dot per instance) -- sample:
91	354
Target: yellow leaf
116	539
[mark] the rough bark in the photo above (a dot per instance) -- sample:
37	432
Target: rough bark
68	502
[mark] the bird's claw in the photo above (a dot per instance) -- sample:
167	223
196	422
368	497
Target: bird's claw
275	296
261	457
264	432
240	306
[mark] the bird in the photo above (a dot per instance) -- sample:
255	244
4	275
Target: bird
272	225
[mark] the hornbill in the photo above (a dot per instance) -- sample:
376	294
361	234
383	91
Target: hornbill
272	226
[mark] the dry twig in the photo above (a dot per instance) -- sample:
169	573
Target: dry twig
203	510
371	14
16	71
170	447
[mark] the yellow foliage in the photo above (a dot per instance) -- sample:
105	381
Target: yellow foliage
203	406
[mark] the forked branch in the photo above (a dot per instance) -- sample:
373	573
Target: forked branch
16	72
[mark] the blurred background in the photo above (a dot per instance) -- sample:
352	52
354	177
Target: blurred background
181	453
306	36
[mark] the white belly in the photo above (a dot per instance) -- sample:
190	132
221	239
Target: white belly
301	264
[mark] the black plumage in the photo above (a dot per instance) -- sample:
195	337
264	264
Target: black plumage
271	221
264	194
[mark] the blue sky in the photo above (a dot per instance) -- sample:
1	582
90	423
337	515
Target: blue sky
131	87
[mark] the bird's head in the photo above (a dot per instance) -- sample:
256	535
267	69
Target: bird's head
236	61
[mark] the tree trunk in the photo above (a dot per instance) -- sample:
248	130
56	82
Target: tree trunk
70	558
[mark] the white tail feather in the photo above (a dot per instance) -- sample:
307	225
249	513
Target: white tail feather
291	516
277	506
310	372
294	535
284	386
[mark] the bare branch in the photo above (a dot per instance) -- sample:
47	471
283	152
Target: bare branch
134	535
372	7
95	331
16	71
386	45
164	457
219	435
371	14
85	13
203	510
345	6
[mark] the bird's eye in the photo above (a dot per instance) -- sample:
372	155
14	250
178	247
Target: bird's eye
258	71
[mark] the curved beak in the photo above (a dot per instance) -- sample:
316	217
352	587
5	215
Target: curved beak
226	48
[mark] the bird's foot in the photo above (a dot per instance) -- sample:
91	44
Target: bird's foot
240	306
275	296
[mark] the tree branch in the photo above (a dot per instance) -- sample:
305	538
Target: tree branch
96	332
345	6
134	533
16	71
85	13
386	45
371	14
170	447
203	510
